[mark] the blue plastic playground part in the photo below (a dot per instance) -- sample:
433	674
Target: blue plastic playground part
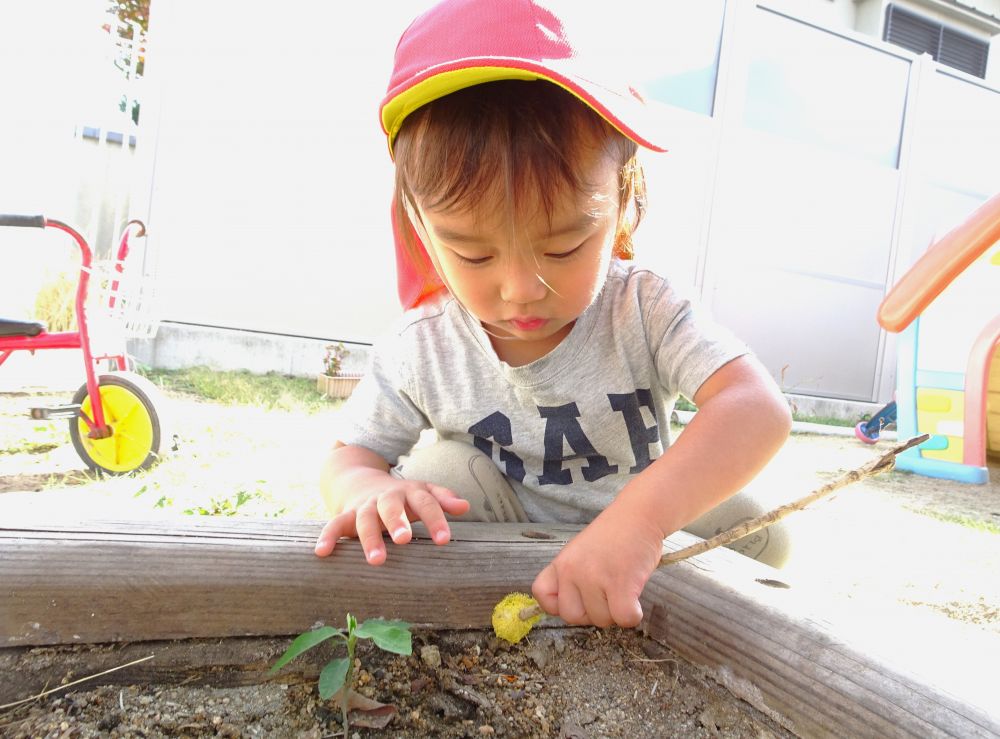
941	470
870	430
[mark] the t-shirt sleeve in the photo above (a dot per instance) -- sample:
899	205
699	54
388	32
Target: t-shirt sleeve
380	415
687	345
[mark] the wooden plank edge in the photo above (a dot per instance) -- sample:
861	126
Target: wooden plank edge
707	610
768	647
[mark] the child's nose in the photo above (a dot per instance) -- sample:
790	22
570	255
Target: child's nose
522	283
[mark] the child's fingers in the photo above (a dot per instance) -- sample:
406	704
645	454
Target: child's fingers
450	502
369	527
571	607
545	589
596	605
425	505
625	610
391	511
337	527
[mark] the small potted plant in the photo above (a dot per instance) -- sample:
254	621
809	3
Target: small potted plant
333	383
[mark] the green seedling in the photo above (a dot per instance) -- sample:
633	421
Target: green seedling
338	675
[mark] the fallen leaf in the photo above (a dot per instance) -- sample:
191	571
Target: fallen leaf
365	712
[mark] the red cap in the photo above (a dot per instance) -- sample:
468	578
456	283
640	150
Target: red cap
461	43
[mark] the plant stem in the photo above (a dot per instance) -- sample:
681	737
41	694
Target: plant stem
348	682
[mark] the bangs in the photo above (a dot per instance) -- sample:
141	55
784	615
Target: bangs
512	143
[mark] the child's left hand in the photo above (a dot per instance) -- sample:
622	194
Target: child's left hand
598	576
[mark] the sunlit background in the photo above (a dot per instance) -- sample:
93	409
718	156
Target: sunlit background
813	156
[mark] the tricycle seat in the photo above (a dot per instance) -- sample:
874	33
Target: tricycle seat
10	327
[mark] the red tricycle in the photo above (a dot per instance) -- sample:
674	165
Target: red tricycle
113	418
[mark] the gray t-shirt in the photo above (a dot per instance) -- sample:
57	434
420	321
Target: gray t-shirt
570	429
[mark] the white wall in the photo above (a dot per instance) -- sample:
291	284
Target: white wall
869	15
825	13
272	181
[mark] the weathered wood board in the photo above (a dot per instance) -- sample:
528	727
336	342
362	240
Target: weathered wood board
95	582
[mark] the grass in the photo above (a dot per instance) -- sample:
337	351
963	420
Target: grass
29	446
54	304
26	437
244	445
824	420
273	391
683	404
977	524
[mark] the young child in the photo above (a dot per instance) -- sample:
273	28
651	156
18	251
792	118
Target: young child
546	364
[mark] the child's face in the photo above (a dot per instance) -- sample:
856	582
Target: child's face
528	281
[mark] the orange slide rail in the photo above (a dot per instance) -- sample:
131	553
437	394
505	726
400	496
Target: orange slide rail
941	264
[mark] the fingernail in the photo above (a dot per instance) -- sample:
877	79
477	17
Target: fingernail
399	532
441	537
372	555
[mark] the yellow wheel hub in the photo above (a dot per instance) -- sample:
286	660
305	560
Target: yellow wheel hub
131	437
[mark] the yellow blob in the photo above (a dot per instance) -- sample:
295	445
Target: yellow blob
507	622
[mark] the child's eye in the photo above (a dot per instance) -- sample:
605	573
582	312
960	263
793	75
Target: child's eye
564	254
473	262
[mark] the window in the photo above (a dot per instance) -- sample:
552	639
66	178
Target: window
947	45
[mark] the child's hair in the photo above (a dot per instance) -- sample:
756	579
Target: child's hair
514	140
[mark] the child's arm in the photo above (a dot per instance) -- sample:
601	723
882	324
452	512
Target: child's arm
365	500
741	423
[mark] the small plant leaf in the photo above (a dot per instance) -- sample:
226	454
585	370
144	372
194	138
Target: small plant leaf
352	623
392	636
304	642
331	679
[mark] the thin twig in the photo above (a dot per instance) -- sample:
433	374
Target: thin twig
75	682
882	464
636	658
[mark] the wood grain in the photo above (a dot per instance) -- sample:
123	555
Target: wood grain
128	581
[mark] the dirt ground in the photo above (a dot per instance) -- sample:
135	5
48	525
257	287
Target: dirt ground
571	683
930	545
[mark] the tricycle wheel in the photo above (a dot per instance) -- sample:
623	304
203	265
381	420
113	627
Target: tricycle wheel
129	404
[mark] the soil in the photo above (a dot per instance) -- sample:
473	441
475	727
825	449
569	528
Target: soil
569	683
932	545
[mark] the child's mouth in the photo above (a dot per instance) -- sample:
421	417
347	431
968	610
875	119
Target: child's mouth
528	324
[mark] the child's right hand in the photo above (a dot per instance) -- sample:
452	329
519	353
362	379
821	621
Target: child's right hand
387	503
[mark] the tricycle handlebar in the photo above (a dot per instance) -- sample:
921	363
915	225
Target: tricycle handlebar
22	221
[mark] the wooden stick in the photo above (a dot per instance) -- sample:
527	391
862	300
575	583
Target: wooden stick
882	464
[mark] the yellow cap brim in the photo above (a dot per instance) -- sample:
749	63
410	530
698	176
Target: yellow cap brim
395	109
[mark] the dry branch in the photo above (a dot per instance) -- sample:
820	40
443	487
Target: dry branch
881	464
